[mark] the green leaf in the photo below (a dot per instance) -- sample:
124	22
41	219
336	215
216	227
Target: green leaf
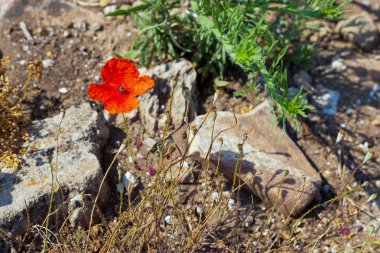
129	11
280	56
375	243
240	93
221	83
131	54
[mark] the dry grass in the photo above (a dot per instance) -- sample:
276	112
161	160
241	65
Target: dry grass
211	215
12	121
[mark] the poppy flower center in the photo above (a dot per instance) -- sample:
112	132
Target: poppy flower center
123	91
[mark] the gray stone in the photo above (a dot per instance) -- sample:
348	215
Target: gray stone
15	8
71	155
268	154
303	79
327	100
361	30
97	27
154	103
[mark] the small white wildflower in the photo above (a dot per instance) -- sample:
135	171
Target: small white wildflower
198	210
340	136
130	177
78	197
368	157
215	196
364	146
231	202
168	219
372	197
130	159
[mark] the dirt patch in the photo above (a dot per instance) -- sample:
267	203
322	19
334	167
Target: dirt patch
74	42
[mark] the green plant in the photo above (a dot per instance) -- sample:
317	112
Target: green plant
163	32
166	215
212	32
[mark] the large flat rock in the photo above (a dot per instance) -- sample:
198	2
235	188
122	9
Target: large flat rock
268	153
77	135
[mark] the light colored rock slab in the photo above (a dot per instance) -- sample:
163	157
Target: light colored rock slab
268	153
76	170
361	30
154	103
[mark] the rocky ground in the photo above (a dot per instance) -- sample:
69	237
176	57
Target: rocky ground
73	40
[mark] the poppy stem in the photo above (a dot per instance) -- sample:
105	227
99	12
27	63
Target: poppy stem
128	138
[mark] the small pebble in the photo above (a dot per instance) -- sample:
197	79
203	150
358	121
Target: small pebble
78	197
84	50
364	146
80	25
66	33
248	221
63	90
375	91
97	27
47	63
326	188
338	65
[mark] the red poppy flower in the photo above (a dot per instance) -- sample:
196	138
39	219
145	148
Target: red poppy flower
122	84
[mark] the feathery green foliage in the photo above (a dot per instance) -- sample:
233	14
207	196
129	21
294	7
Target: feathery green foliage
212	33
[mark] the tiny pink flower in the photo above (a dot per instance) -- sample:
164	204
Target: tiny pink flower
138	143
151	171
345	231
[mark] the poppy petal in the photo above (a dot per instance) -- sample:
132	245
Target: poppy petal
121	104
119	71
101	92
142	85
